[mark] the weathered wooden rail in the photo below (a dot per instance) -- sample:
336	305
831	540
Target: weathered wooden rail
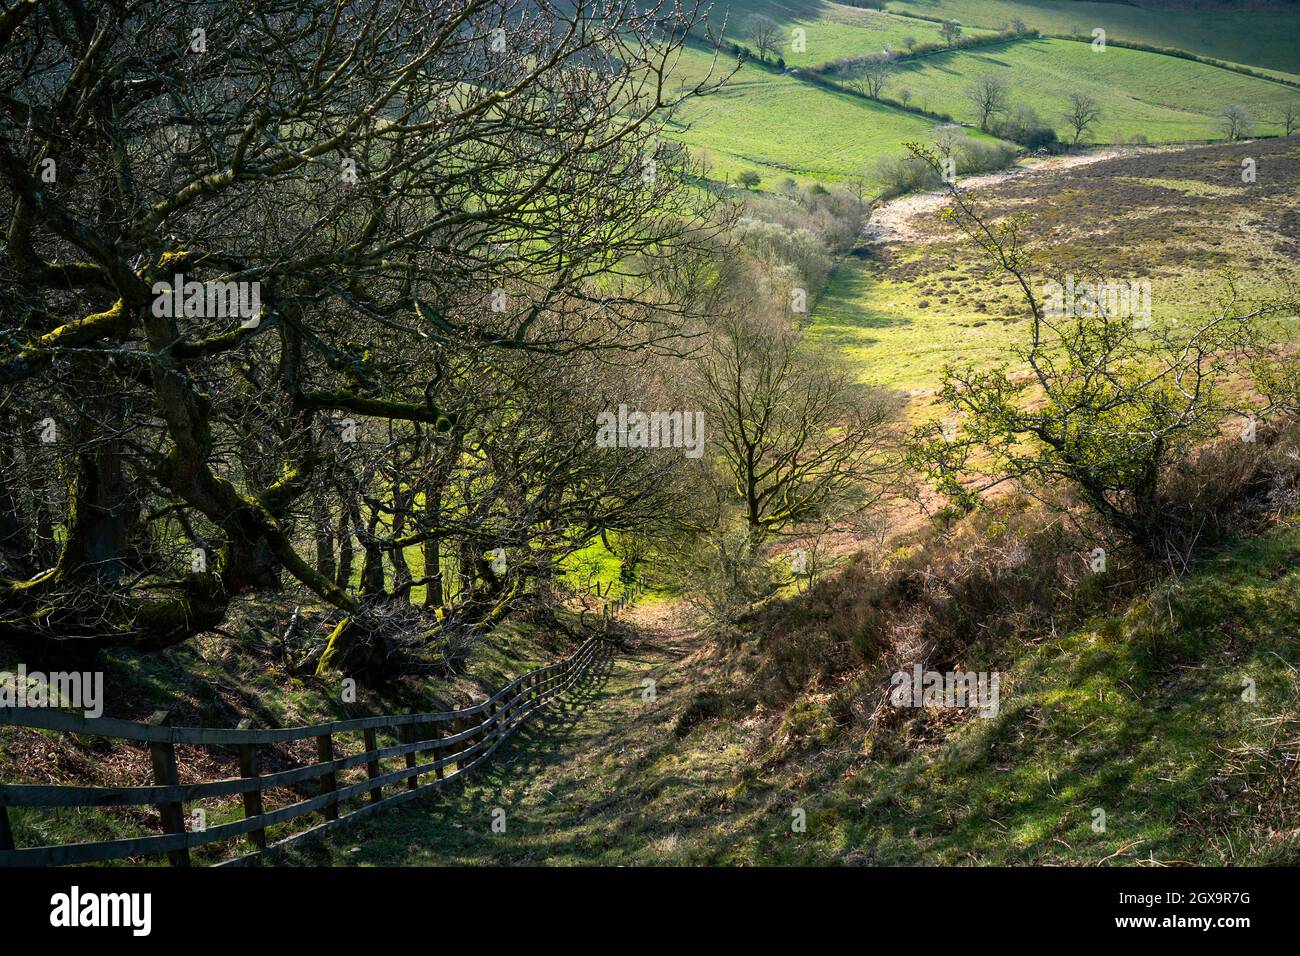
474	733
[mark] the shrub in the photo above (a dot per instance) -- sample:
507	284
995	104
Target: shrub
905	174
1026	128
1008	573
1112	410
722	575
974	156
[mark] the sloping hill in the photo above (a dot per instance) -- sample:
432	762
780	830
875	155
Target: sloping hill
1180	218
1160	98
830	30
779	126
1138	713
1255	37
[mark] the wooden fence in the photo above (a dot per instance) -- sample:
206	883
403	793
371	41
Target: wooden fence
474	733
614	608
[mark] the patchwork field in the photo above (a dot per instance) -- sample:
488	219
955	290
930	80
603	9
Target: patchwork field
831	30
1161	98
780	126
1263	38
1181	218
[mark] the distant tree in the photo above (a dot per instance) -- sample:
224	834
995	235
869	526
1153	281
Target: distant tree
988	94
875	73
749	179
765	34
950	30
780	63
1083	113
946	142
1235	121
1290	118
904	96
859	187
1018	25
910	43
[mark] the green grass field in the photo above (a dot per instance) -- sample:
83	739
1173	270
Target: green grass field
1262	38
1163	98
899	332
780	126
831	30
1181	219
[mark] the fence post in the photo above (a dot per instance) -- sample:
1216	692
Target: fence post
407	736
162	754
6	833
252	798
328	780
457	725
436	729
372	765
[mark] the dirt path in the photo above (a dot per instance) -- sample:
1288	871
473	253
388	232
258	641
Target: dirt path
567	783
897	220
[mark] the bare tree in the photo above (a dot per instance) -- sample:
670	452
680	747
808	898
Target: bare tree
764	33
316	259
950	30
797	435
1290	118
870	79
1235	122
1082	115
989	96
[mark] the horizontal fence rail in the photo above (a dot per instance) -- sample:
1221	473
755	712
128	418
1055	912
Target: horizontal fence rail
473	735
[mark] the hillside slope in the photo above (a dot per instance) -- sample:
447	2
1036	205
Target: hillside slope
1255	37
918	298
1161	98
1139	713
778	126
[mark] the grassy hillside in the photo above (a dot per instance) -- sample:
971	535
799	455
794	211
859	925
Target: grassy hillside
914	305
1265	38
1138	712
831	30
1162	98
779	126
